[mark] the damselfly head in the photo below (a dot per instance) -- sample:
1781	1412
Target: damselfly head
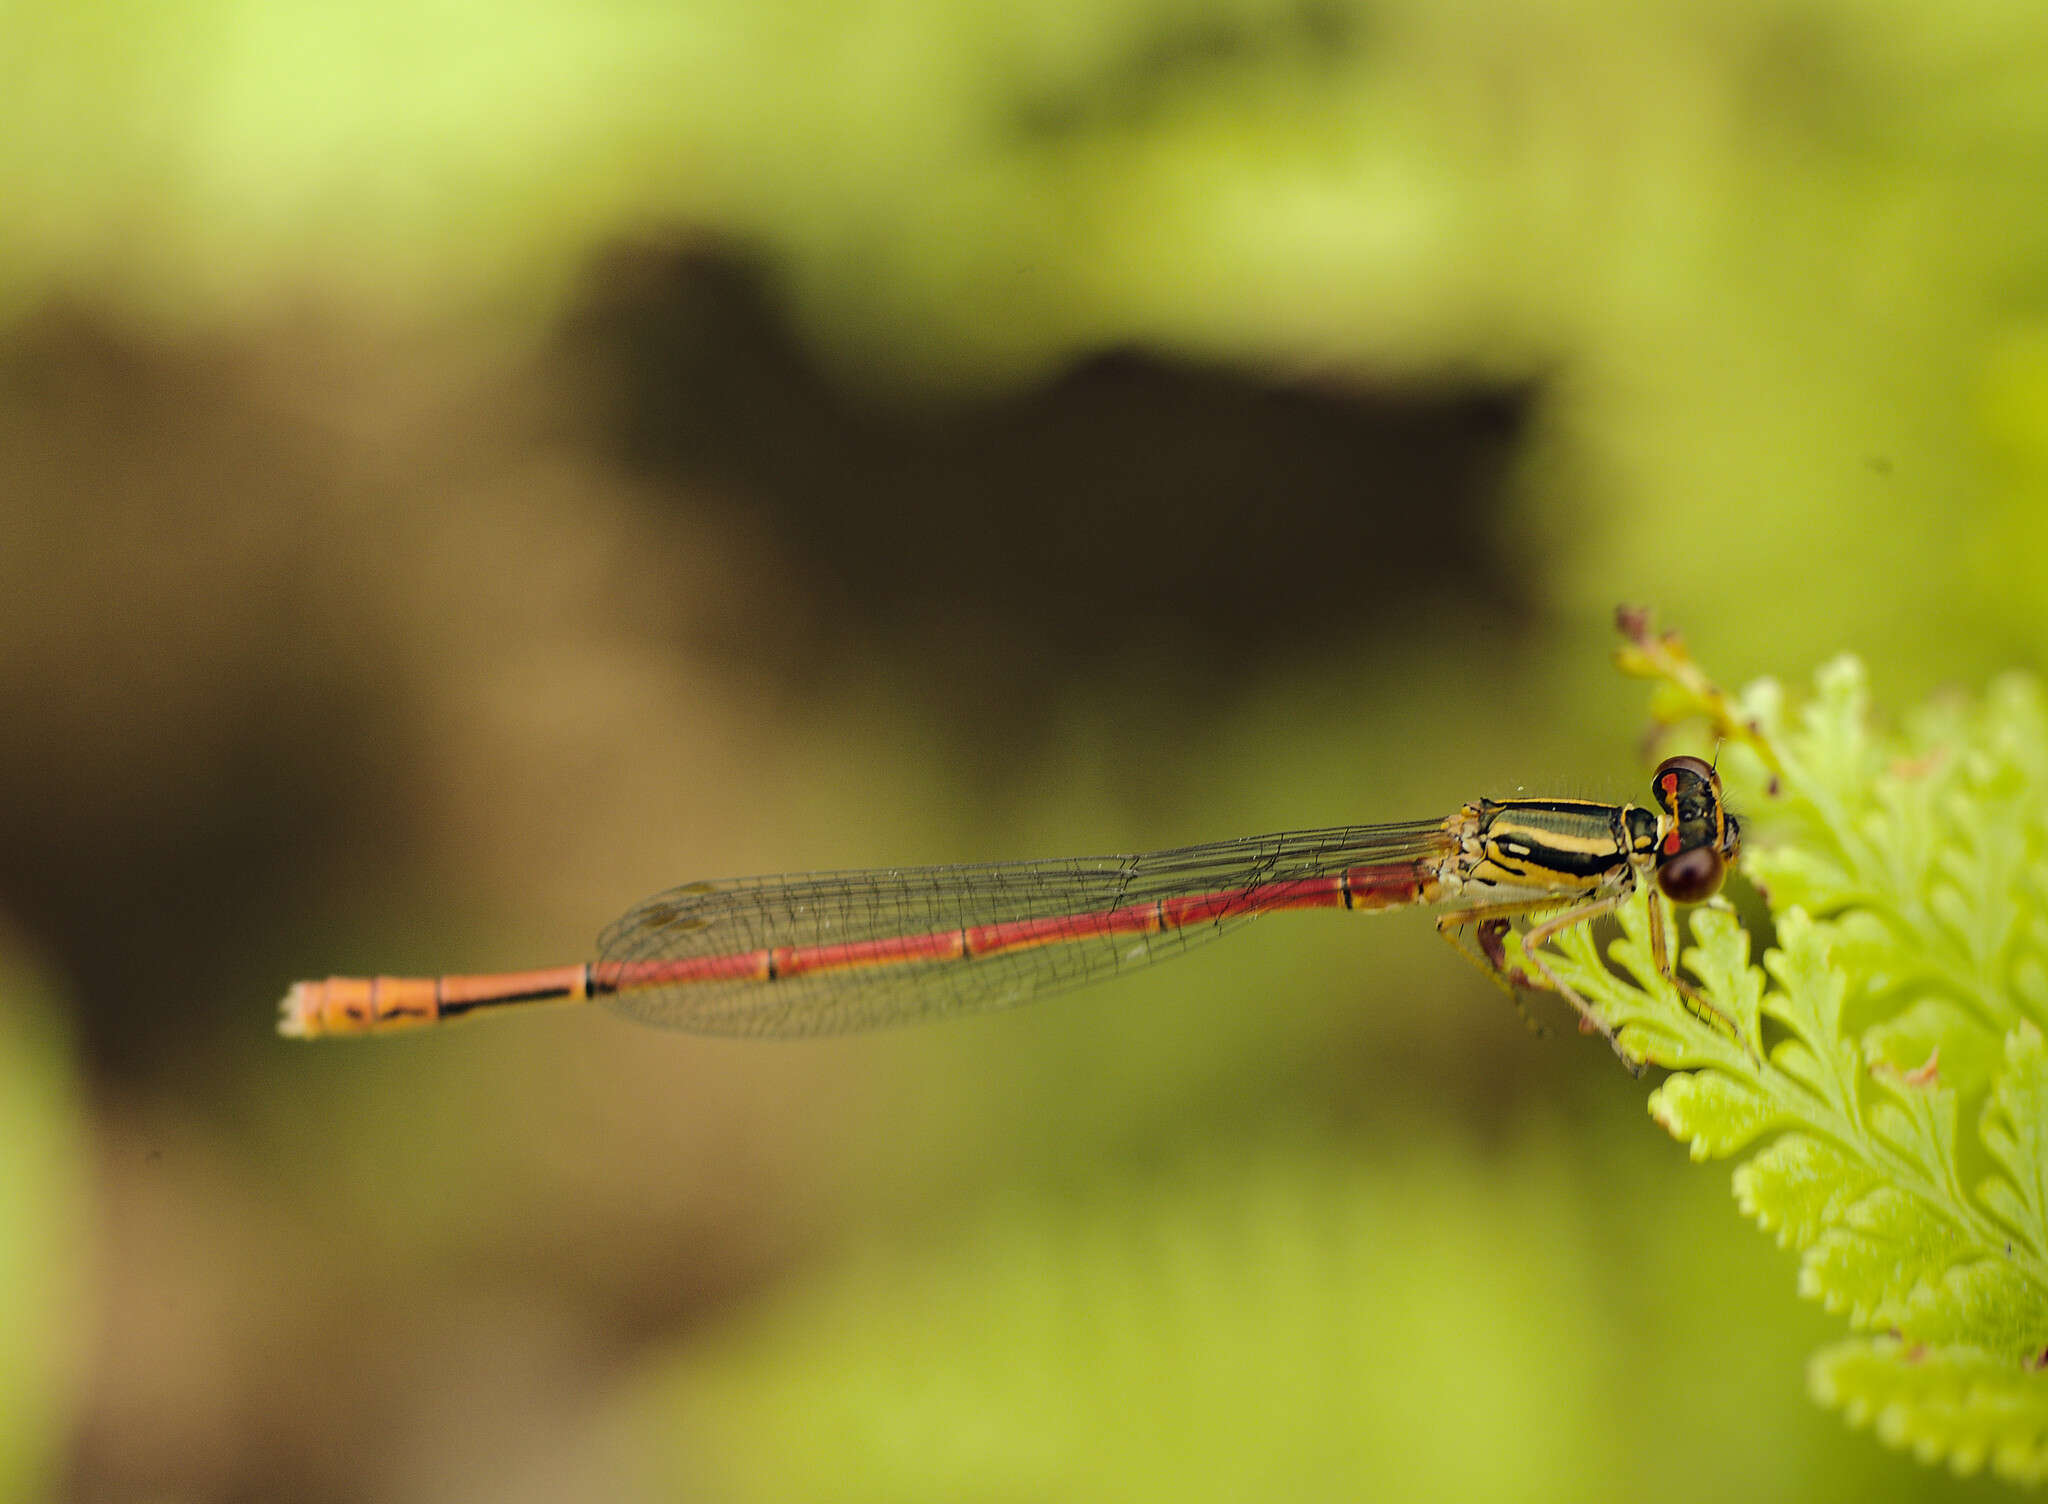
1700	838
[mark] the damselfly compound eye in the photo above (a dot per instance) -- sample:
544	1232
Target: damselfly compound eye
1681	778
1692	876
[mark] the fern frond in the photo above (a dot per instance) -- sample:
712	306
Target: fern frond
1893	1098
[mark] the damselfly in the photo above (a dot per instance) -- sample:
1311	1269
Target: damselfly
832	952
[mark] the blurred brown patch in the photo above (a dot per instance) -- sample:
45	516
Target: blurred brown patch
1139	517
283	619
196	741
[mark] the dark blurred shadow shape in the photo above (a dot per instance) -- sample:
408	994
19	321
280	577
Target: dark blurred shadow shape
1139	515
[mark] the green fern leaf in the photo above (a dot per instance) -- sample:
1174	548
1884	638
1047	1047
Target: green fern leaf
2015	1132
1946	1404
1712	1113
1883	1252
1799	1187
1889	1078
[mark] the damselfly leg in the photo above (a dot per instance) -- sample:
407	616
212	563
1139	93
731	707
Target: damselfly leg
1489	927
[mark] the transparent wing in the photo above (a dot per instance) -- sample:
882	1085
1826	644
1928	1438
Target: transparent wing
832	952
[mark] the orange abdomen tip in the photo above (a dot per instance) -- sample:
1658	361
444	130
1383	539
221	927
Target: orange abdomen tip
356	1005
298	1014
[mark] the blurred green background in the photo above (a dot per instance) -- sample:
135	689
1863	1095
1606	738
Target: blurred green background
465	468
